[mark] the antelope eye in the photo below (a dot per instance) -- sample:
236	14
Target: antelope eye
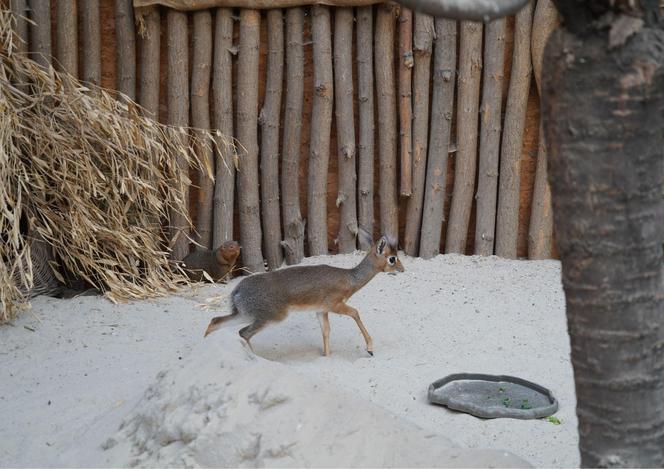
392	260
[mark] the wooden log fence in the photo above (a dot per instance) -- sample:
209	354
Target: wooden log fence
470	69
91	44
222	110
540	231
507	220
407	111
200	119
293	242
269	121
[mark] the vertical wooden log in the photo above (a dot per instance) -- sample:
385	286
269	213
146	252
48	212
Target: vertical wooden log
343	75
423	44
178	114
200	119
40	32
540	232
21	14
442	108
125	34
90	42
150	49
66	39
490	113
222	96
247	135
405	100
269	120
387	122
470	70
21	39
507	220
365	95
321	120
293	243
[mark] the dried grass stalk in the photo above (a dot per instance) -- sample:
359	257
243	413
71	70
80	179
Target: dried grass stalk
89	173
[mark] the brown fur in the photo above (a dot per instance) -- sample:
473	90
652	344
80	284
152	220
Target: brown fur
216	263
269	297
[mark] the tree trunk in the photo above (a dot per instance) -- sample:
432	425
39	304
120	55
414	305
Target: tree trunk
540	232
442	108
40	32
150	50
423	42
247	135
387	123
470	72
492	101
178	114
200	119
405	100
507	221
293	243
222	107
125	36
321	120
66	39
90	42
269	120
21	14
343	74
603	90
365	96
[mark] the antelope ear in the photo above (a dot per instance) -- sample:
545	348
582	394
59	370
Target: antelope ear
380	246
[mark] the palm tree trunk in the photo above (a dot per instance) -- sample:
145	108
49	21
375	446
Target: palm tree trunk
603	90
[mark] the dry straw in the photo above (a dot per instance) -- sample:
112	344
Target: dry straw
92	177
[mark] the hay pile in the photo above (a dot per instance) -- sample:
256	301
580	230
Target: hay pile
92	177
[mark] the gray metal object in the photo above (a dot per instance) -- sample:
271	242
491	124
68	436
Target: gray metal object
471	10
489	396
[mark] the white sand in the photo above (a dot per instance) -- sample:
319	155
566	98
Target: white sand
66	388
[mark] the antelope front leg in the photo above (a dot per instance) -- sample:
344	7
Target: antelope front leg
324	320
343	308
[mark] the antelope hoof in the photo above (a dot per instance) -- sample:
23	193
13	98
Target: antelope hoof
370	352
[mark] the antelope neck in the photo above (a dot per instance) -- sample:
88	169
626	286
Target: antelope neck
363	272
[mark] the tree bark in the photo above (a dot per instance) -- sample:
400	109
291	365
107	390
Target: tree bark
66	39
603	90
222	103
507	221
321	120
200	119
387	123
178	114
490	113
442	108
470	70
540	231
125	34
21	14
293	243
343	75
247	135
90	42
40	32
365	96
150	50
405	77
423	44
269	120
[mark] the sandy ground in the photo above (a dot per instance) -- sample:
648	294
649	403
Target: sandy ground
74	370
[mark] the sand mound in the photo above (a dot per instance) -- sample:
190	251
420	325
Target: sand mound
224	406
